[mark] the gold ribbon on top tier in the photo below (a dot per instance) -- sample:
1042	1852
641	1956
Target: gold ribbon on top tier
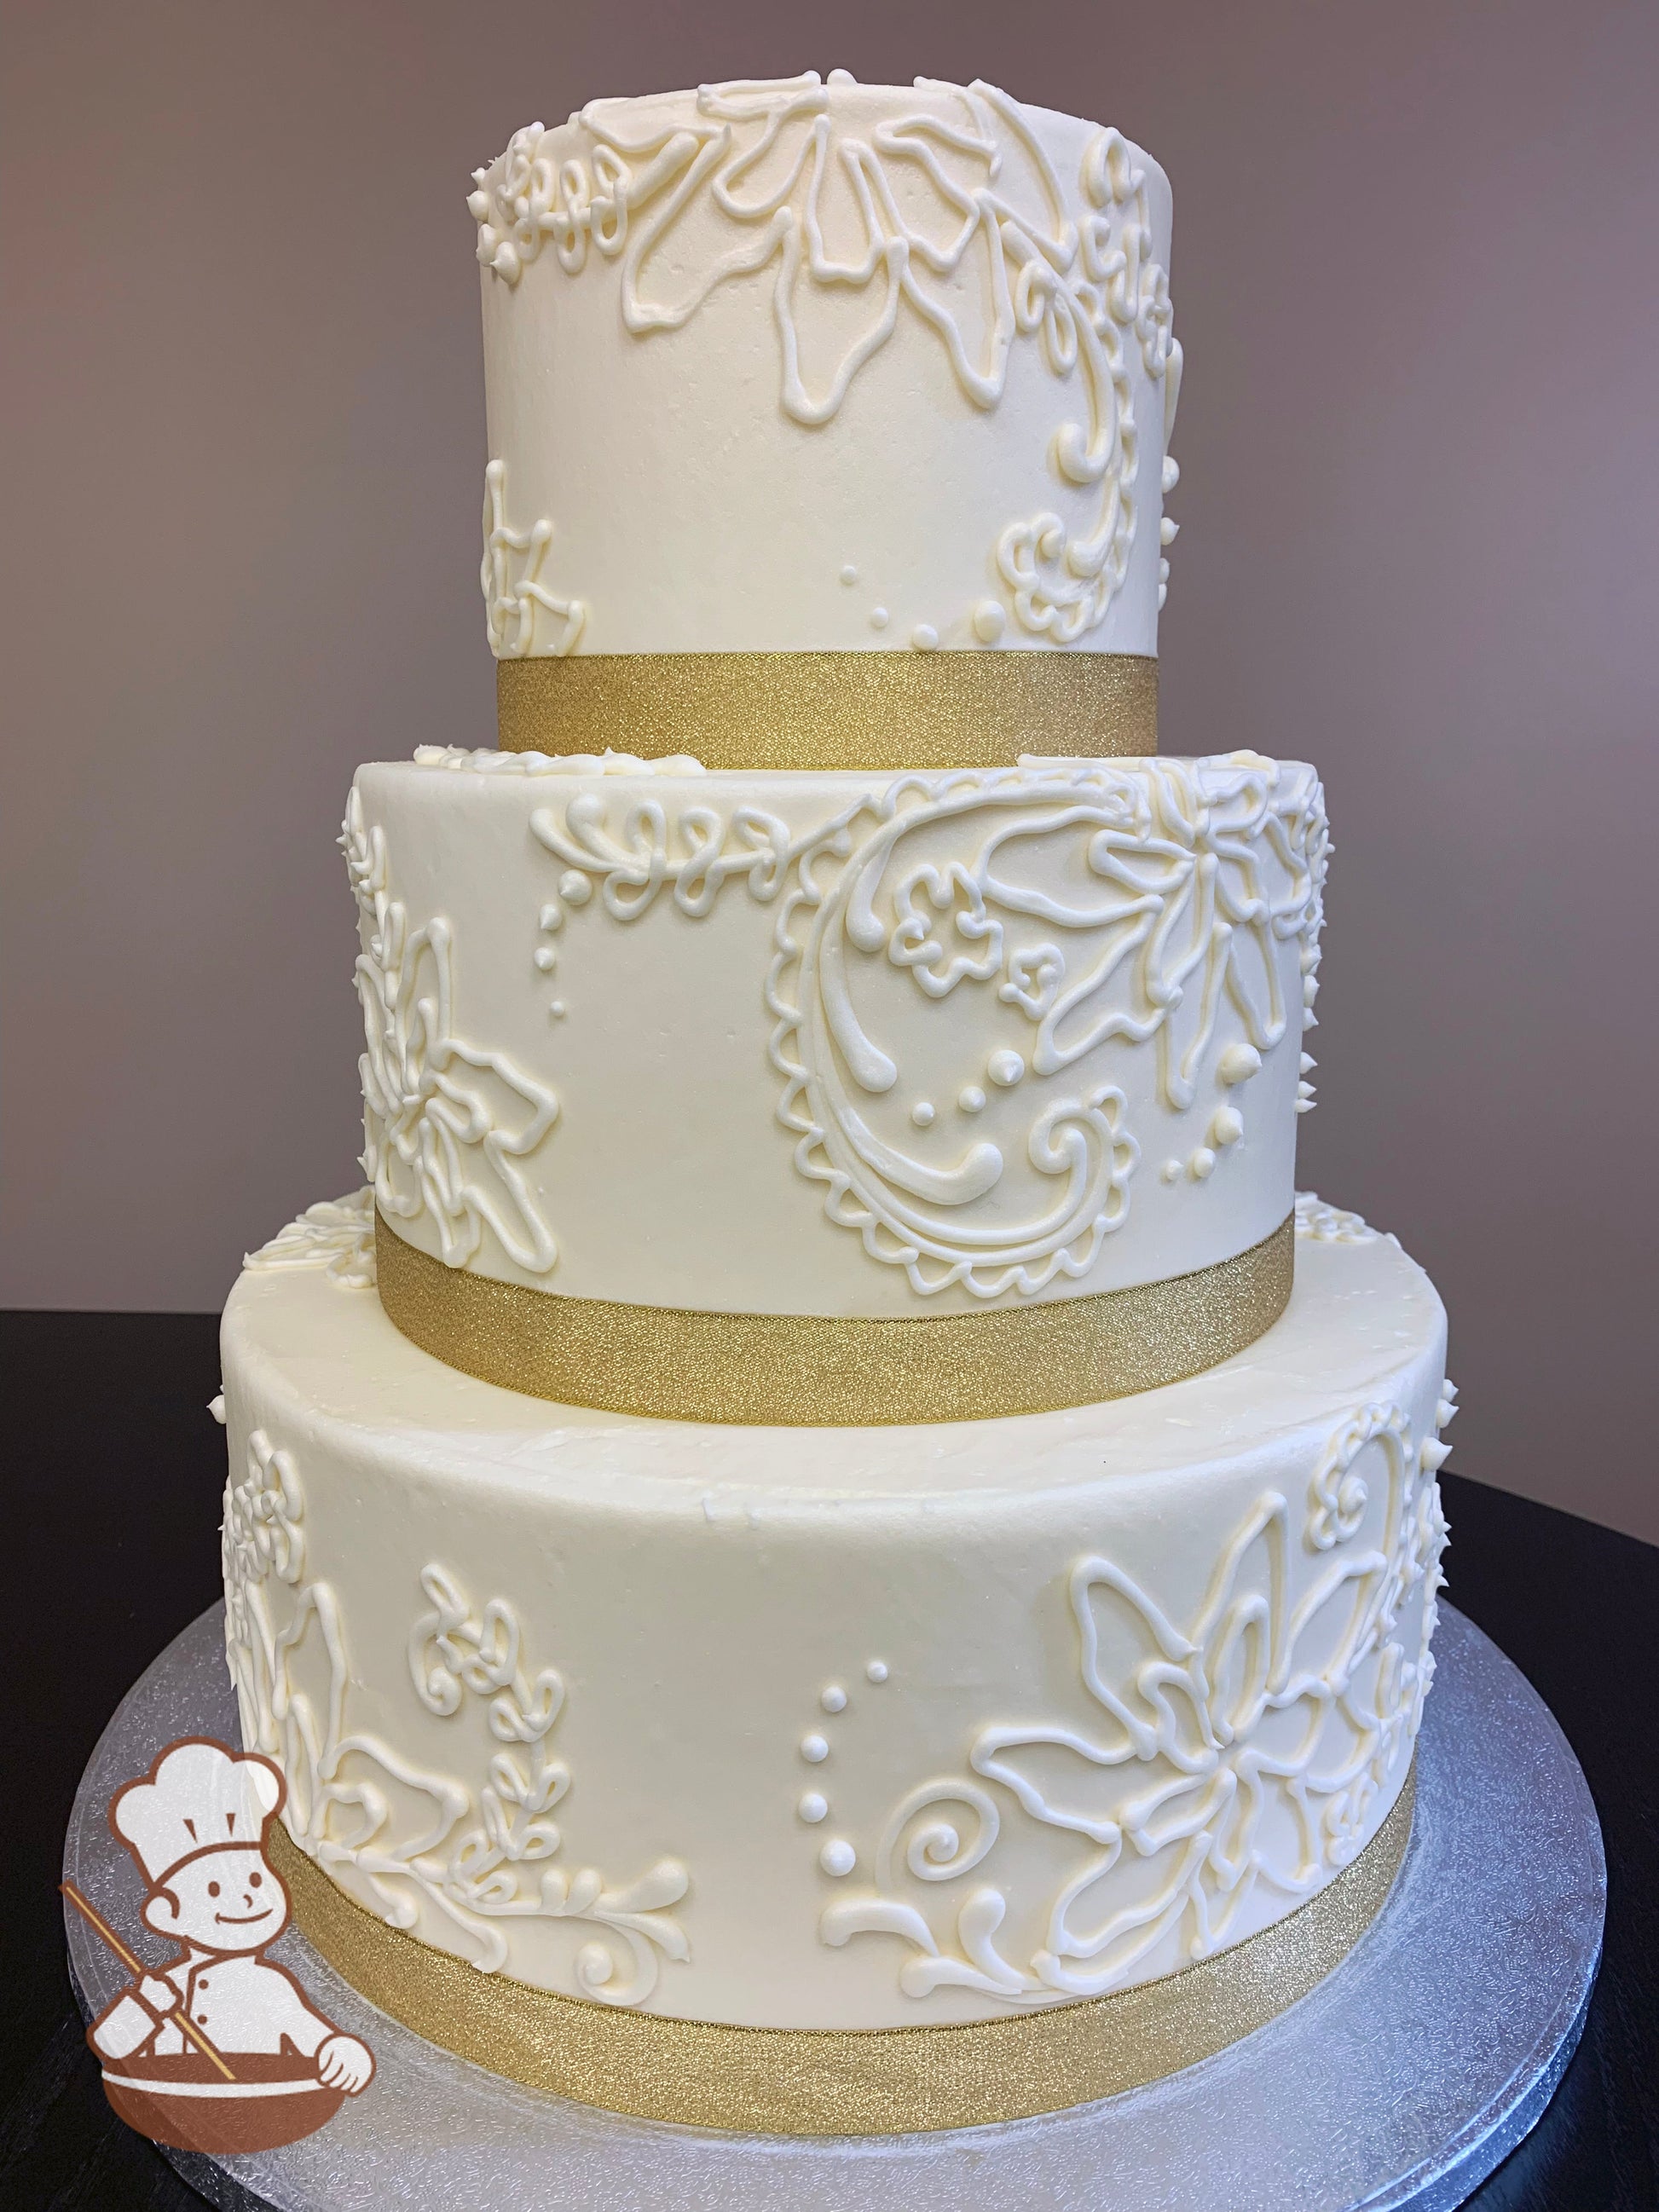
832	2082
823	1370
832	710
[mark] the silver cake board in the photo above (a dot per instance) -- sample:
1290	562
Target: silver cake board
1403	2080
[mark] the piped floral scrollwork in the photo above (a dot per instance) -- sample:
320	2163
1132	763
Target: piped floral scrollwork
1248	1750
1182	883
445	1123
337	1234
511	576
406	1840
953	210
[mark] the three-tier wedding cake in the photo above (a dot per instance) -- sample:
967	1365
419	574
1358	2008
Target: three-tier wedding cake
828	1546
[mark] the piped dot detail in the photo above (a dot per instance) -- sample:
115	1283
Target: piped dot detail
1238	1064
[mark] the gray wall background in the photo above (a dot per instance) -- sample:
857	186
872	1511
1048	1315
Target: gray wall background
1413	275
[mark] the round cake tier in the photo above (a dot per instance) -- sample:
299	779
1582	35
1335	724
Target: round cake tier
832	1729
835	1049
806	366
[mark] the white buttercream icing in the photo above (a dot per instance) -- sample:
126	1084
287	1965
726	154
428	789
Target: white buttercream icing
817	364
839	1719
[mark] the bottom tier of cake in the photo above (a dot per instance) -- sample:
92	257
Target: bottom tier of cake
832	1729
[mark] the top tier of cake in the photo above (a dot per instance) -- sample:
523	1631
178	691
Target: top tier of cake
812	366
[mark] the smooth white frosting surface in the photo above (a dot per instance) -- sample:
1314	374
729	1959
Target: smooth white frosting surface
842	1043
811	364
854	1728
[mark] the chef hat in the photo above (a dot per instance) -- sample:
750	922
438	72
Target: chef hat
196	1797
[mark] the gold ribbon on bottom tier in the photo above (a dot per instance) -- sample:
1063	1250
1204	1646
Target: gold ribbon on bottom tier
832	710
834	1370
824	2081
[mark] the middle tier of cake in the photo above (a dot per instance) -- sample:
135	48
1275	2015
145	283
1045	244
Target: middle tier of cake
854	1047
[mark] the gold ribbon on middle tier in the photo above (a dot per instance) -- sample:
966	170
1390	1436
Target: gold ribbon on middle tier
873	710
796	1371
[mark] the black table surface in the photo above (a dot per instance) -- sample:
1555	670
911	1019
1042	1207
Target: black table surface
113	1547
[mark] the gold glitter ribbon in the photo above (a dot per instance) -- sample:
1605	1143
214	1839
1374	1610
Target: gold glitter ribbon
821	1370
832	2082
831	710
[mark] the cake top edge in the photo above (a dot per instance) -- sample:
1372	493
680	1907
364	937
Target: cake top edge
315	1279
486	762
640	122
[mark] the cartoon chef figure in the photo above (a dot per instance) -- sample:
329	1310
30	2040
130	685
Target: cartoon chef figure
196	1824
